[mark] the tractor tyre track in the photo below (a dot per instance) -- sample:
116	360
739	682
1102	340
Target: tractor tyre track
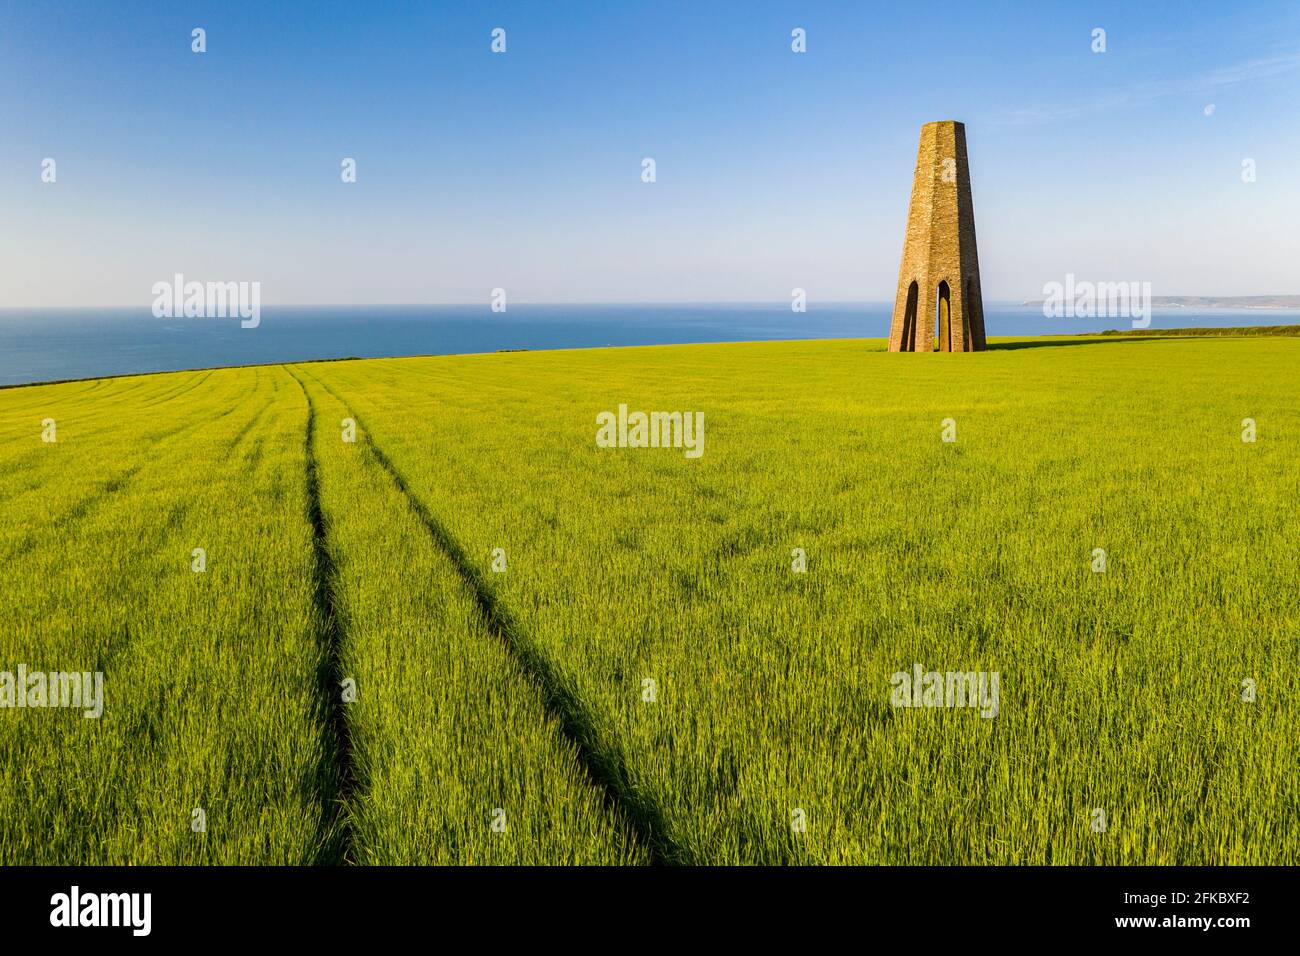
604	766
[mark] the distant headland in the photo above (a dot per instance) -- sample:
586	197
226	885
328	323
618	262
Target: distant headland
1215	301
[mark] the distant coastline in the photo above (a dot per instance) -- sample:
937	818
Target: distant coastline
1215	301
1204	330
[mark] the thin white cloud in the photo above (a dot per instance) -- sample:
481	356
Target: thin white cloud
1250	71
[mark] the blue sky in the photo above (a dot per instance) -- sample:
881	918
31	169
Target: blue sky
522	170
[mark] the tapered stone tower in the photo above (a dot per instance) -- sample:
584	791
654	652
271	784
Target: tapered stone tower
938	303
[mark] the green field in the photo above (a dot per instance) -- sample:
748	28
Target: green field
353	678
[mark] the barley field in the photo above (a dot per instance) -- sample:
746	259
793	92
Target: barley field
434	621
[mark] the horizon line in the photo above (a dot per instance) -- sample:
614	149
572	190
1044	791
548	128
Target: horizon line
612	302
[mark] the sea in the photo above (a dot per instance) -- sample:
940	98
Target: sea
41	345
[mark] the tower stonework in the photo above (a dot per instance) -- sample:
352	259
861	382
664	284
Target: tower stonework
938	303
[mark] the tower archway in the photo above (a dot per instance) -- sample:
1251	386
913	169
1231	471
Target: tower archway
909	318
943	319
968	317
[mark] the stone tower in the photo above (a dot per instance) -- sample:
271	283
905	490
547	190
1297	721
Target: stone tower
938	303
